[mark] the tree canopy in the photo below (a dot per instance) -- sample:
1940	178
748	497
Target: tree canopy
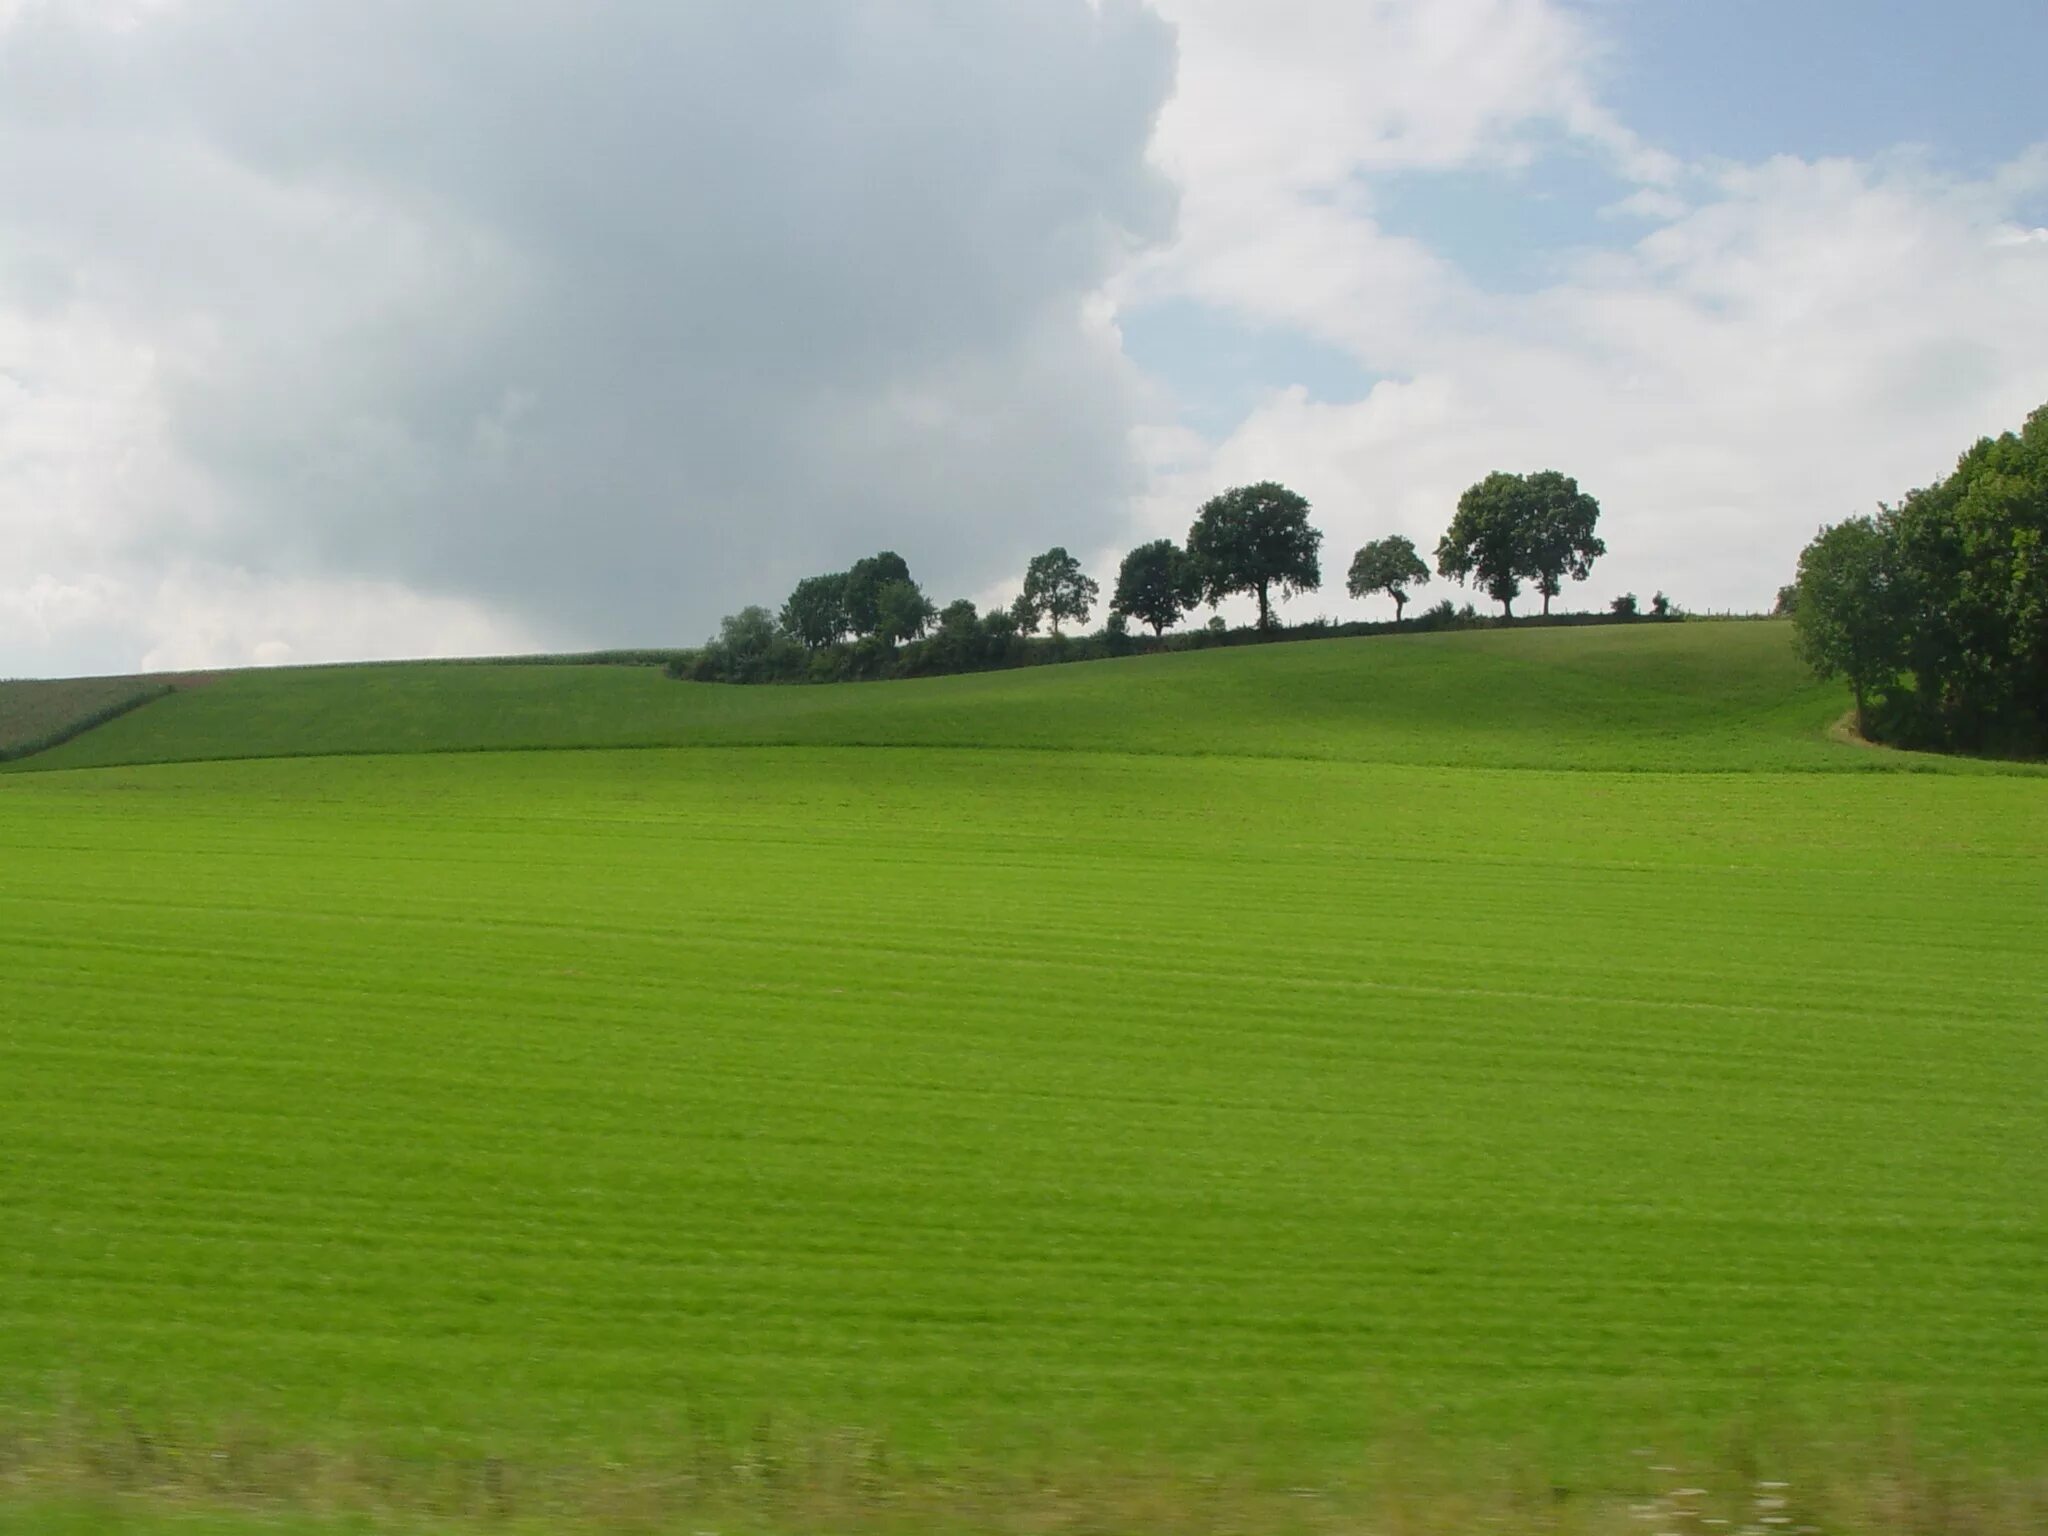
1512	528
1156	585
1390	565
815	613
1257	539
1847	620
864	585
1936	610
1561	538
902	612
1055	589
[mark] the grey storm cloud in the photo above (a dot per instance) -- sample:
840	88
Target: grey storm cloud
612	315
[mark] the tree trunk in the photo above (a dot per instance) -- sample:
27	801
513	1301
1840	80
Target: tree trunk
1265	612
1546	605
1862	726
1400	602
1507	607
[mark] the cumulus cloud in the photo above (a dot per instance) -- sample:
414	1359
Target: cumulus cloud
359	327
581	322
1782	344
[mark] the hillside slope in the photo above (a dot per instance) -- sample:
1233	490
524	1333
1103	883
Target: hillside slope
35	716
1677	697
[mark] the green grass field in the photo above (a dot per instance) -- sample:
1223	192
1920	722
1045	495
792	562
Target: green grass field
1677	697
35	716
1372	1085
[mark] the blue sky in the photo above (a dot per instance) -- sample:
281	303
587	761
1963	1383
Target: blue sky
1955	87
1746	79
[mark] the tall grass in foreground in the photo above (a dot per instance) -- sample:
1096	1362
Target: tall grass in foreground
114	1477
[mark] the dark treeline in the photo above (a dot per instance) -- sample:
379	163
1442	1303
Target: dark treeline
874	620
1936	610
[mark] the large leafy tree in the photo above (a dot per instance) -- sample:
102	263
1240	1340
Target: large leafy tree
1257	539
1936	610
748	648
1512	528
1848	617
1971	560
902	612
1055	589
816	611
958	643
1483	545
1155	585
1561	541
1390	565
864	585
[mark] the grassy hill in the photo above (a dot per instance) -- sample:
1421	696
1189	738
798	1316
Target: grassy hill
1256	1090
1688	696
35	716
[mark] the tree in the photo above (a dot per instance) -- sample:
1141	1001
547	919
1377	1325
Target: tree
958	644
1388	565
1156	585
1937	608
1788	601
1023	615
816	611
1625	607
749	648
1055	589
998	637
1971	553
1483	545
1255	538
1847	621
864	585
1561	541
1511	528
902	611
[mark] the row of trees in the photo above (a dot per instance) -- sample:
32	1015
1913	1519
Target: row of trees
1936	610
1256	540
1252	540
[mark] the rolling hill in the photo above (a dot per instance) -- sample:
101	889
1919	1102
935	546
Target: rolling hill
1689	696
1480	1081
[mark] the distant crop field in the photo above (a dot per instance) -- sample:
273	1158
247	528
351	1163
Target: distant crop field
835	1137
1680	697
37	715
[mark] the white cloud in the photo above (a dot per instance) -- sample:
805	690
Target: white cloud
596	320
1788	343
1655	203
358	327
201	619
1818	337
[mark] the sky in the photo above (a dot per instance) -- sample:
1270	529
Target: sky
374	328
